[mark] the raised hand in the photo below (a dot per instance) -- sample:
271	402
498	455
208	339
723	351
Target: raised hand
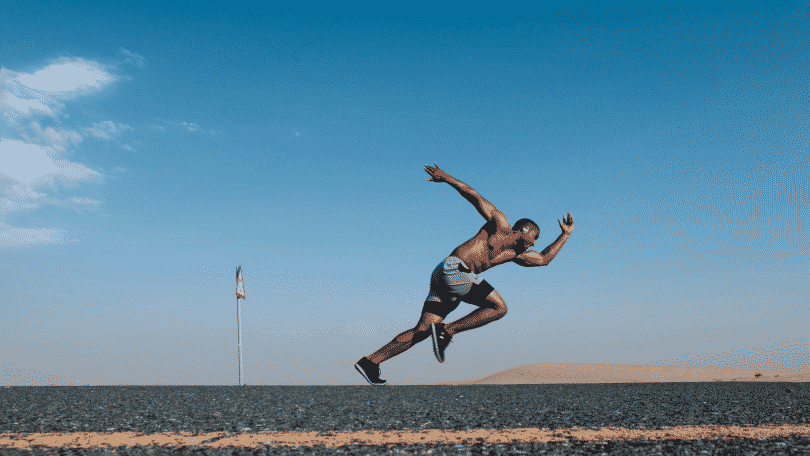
436	174
567	225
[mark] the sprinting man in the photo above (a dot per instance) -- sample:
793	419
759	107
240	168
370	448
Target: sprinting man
456	278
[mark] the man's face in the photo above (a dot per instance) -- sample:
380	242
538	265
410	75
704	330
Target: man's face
529	237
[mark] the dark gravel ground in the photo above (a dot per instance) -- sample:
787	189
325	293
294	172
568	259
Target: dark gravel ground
248	409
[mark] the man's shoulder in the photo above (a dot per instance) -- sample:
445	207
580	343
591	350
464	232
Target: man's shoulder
492	228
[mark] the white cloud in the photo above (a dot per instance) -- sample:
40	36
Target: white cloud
24	107
40	92
107	129
24	162
19	197
66	77
58	138
127	147
33	159
68	175
23	237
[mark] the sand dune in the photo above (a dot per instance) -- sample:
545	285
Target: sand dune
630	373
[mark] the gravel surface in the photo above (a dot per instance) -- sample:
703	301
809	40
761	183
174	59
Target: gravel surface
249	409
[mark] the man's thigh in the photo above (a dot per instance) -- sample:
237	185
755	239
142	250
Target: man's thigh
478	294
438	309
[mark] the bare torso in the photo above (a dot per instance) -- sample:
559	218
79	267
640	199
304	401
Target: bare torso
487	249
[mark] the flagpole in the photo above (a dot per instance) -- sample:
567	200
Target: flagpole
239	339
240	293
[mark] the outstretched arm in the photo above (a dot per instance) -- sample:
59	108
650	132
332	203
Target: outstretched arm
484	207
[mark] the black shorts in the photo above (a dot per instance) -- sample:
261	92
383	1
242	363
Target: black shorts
477	295
453	281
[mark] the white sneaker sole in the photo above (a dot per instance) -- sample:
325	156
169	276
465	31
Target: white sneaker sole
363	373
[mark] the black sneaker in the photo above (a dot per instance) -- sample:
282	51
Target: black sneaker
369	371
440	340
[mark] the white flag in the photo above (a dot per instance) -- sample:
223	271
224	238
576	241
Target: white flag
240	284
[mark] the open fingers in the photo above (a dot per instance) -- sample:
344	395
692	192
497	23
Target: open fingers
432	173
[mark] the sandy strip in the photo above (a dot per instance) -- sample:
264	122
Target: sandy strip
555	373
433	436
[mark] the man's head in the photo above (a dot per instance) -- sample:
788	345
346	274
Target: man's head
529	232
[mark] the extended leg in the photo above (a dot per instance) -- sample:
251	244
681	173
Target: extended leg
407	339
401	343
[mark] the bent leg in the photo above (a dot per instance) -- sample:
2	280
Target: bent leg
407	339
490	309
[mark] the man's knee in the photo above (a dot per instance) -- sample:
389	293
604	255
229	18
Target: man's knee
495	301
428	317
420	328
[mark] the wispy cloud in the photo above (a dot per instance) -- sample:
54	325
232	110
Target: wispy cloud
22	106
42	92
188	126
107	130
131	57
33	133
11	236
32	157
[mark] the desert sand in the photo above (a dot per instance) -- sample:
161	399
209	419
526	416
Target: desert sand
630	373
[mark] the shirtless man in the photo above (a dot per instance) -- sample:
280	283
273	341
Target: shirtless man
456	278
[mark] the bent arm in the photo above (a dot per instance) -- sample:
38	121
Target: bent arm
530	258
551	251
484	207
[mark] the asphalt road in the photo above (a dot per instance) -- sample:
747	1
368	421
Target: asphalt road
233	411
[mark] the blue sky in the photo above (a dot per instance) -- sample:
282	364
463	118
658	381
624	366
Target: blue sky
147	150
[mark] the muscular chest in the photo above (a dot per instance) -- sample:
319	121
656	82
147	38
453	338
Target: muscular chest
498	251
